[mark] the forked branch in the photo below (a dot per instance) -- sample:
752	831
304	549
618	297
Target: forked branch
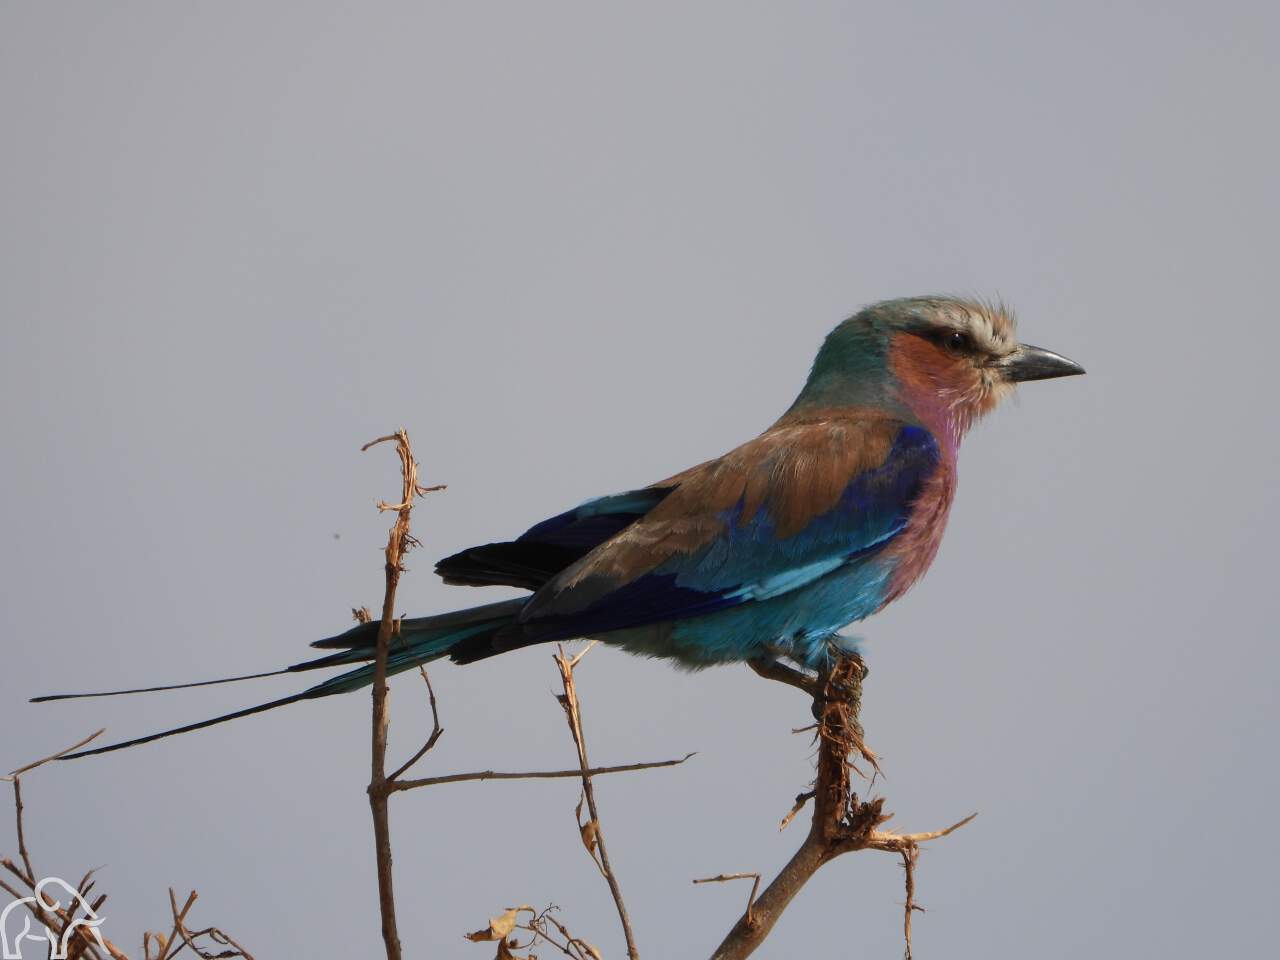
841	822
399	542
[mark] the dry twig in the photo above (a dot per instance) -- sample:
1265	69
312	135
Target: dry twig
55	918
909	858
541	923
481	775
592	835
841	822
437	732
399	542
801	800
63	923
181	936
755	888
382	785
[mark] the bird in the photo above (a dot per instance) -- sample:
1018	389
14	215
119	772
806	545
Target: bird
762	554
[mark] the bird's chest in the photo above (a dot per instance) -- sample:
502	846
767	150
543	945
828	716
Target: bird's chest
912	551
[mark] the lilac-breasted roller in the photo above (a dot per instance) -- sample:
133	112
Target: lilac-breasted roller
765	552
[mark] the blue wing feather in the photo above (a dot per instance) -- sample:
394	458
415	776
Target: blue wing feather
748	561
590	524
546	548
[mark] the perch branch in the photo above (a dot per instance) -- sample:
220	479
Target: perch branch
776	670
841	822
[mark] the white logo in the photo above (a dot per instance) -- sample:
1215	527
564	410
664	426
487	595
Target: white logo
12	946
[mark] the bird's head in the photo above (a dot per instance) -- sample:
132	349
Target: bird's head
946	361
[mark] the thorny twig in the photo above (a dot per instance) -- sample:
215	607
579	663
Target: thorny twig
83	939
841	822
592	836
399	542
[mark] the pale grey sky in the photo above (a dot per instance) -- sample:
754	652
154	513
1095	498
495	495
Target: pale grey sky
574	248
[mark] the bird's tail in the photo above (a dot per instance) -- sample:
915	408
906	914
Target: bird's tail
419	641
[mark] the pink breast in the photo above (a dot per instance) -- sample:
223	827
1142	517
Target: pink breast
914	549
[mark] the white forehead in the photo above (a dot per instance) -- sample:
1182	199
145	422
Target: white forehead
990	324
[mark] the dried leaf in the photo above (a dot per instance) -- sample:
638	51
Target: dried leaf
498	927
588	831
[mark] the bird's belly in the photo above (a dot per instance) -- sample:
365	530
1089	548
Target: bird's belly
795	624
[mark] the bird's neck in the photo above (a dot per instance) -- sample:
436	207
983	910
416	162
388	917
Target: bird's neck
857	373
935	418
852	390
876	392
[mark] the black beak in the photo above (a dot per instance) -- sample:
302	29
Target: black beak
1033	363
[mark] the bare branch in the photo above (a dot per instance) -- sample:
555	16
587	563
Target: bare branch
896	842
801	800
592	835
909	858
61	753
437	732
189	938
16	779
751	899
85	940
841	822
399	541
574	947
534	774
22	835
582	653
56	919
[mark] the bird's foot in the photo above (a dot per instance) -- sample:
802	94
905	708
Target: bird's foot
838	704
773	669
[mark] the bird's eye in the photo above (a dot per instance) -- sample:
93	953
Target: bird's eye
950	339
